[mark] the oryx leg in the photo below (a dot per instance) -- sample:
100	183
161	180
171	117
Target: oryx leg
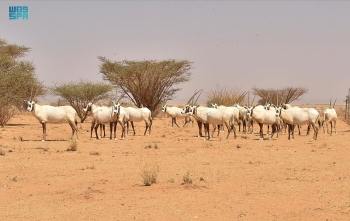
102	128
74	129
174	119
132	125
200	124
261	131
206	130
315	130
95	128
44	131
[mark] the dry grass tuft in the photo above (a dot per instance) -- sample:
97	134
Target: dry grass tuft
2	152
187	178
73	145
149	172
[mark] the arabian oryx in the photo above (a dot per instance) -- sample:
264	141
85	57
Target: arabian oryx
263	115
234	110
330	116
299	116
175	113
50	114
215	117
103	115
186	109
137	115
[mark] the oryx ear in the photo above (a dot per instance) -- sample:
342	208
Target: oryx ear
198	105
35	101
121	104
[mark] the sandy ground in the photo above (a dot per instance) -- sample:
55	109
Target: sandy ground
233	179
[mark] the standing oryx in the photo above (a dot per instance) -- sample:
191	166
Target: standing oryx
299	116
263	115
175	113
103	115
234	110
136	115
50	114
330	116
215	117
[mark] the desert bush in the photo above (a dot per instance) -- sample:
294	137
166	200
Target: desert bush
222	95
2	152
73	145
149	173
187	178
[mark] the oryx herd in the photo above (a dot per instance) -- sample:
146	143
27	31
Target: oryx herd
276	116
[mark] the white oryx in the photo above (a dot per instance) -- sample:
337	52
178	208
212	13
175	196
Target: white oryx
263	115
215	117
103	115
299	116
330	116
137	115
232	109
175	113
50	114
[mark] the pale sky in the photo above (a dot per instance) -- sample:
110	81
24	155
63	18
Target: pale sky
237	44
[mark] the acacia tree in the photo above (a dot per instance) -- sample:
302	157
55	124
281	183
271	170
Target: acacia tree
146	83
17	80
79	94
277	96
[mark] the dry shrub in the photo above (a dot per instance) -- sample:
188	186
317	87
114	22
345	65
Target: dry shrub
225	96
73	145
149	172
2	152
187	178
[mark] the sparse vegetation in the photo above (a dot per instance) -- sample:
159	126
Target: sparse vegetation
2	152
187	178
95	153
222	95
146	83
73	145
149	173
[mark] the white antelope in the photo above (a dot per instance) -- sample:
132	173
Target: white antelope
299	116
215	117
103	115
50	114
330	116
175	113
234	110
263	115
138	115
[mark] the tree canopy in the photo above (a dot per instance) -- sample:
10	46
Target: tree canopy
146	83
79	94
18	80
278	96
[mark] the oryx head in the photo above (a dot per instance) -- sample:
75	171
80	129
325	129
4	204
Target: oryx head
185	109
192	110
215	105
278	111
31	102
88	107
164	108
249	110
116	108
30	106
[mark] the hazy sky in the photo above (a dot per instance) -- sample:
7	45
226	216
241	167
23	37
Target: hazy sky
237	44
